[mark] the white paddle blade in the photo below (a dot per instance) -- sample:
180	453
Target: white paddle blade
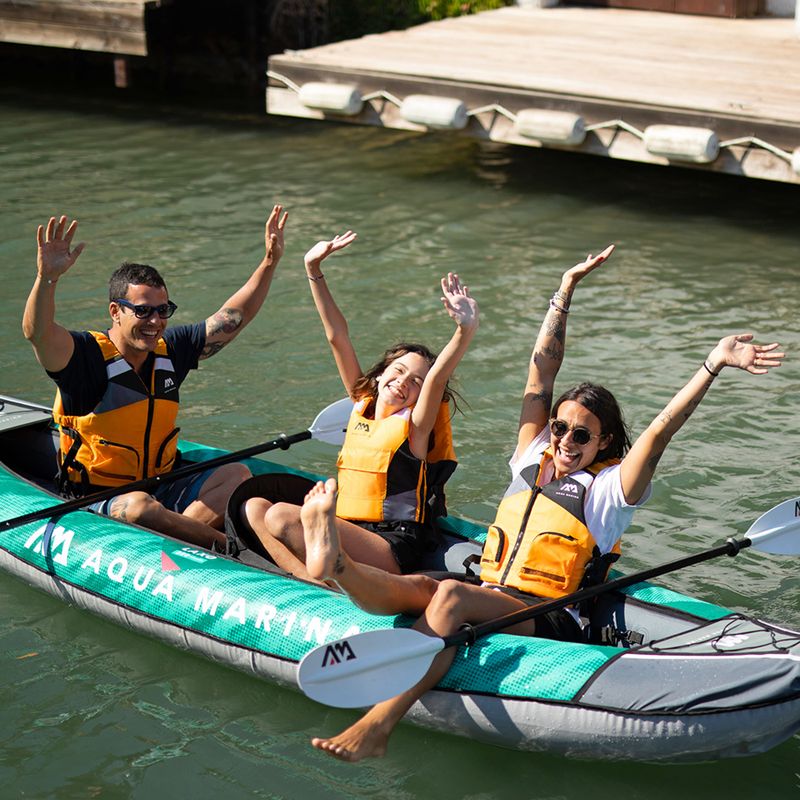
778	530
331	423
367	668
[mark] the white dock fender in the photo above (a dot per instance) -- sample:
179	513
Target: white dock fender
335	98
682	143
434	112
551	127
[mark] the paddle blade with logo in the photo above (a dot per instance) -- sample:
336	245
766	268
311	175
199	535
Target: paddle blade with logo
354	672
778	530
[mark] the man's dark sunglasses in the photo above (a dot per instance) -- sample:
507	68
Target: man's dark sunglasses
165	311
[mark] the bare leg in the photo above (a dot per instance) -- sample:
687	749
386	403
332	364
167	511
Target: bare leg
371	588
283	524
324	558
255	511
453	604
141	508
211	502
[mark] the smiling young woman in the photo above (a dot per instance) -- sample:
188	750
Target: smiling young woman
397	452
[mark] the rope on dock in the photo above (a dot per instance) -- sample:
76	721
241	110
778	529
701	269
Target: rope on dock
754	141
616	123
383	95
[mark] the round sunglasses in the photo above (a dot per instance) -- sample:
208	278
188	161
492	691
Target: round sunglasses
580	435
165	310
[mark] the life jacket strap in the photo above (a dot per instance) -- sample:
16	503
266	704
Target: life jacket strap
64	486
594	574
472	558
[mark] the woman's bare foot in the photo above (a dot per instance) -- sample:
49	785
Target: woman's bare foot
318	515
364	739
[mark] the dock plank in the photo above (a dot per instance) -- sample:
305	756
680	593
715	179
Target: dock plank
112	26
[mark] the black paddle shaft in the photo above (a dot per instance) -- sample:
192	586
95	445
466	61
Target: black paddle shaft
469	633
282	442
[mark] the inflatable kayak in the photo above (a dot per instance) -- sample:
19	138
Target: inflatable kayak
666	677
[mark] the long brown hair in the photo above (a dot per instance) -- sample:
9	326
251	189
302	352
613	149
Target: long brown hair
367	384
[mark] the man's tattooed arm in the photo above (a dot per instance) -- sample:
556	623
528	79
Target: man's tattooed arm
220	329
119	508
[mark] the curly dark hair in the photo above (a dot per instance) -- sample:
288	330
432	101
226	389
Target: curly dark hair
128	273
604	406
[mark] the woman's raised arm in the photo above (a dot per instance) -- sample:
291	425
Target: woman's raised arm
640	463
333	320
548	352
463	310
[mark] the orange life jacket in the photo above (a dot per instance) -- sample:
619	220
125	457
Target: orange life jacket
539	542
380	479
130	434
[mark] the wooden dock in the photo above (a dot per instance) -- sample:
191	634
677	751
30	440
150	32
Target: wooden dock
620	75
106	26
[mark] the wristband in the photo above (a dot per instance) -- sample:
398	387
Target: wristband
709	370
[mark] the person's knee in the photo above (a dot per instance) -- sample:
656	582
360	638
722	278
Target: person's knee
254	510
138	507
232	475
448	598
424	586
281	519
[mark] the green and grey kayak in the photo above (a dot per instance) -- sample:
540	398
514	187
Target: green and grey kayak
672	678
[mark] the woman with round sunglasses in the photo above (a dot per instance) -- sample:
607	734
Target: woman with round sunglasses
576	482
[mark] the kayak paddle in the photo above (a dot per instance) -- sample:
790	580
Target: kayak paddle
328	426
369	667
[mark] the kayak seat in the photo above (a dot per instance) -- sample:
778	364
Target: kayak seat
277	487
32	452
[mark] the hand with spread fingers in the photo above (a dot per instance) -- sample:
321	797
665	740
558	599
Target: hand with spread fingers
273	234
739	351
321	250
54	256
462	308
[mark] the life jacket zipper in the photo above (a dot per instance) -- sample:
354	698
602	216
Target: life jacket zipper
146	448
164	444
521	534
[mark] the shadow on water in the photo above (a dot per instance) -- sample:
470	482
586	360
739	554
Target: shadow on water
674	192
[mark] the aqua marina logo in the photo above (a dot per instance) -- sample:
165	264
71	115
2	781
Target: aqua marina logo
336	653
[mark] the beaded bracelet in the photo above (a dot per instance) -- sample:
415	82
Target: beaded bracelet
315	278
709	370
557	307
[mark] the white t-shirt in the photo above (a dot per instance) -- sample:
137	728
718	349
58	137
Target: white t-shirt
607	514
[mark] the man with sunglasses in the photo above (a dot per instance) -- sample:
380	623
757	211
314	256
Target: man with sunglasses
117	399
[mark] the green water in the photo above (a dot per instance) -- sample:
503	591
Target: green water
90	710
